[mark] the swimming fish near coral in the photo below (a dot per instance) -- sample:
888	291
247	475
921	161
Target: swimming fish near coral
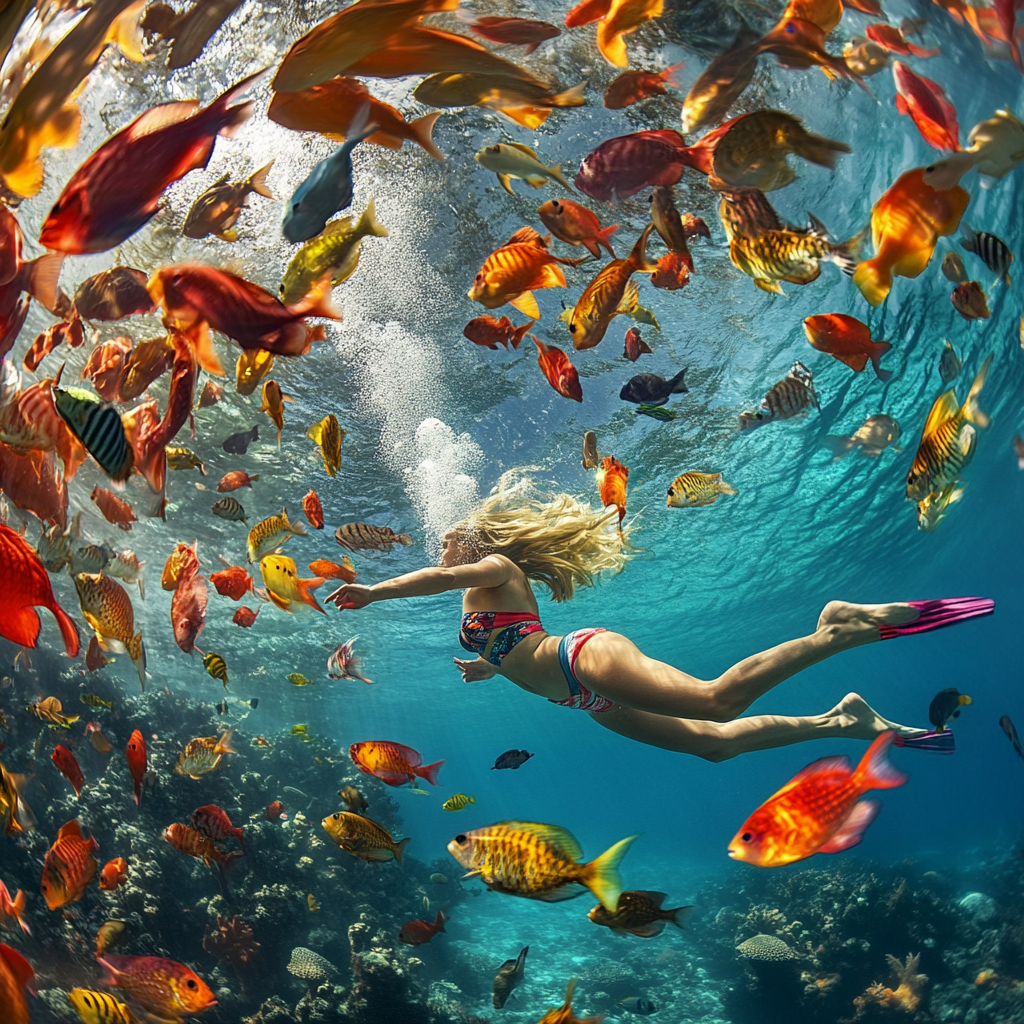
298	679
214	664
69	866
640	912
203	755
508	978
362	837
847	339
138	757
327	436
393	763
114	874
416	933
67	764
164	988
99	1007
49	710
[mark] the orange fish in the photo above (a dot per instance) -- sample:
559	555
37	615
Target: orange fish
611	484
108	610
27	586
106	367
572	222
632	86
22	280
69	867
188	611
64	331
182	563
314	510
286	590
235	479
33	482
513	31
890	38
905	225
487	332
393	763
114	510
274	810
332	571
273	405
148	361
193	843
16	976
67	764
512	272
586	12
560	372
114	874
817	810
214	823
95	733
234	582
563	1014
12	909
624	17
244	617
926	104
137	757
166	989
416	933
848	340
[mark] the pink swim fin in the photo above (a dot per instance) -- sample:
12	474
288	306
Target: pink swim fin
933	742
936	614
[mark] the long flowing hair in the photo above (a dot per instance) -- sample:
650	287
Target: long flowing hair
554	538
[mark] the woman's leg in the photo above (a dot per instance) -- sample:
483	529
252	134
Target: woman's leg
613	666
852	718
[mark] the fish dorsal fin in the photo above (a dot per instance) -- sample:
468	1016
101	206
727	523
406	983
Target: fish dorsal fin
528	235
569	989
657	898
559	839
72	830
162	116
839	763
523	149
945	408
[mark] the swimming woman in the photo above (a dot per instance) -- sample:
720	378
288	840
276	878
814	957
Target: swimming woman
513	538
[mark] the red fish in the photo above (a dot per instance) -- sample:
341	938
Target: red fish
70	331
114	510
487	332
632	86
560	372
848	340
119	187
137	760
26	587
234	582
393	763
635	345
416	933
925	102
188	611
235	479
573	223
514	31
332	571
12	909
890	38
214	823
16	976
163	987
114	874
20	281
69	867
586	12
181	563
274	810
33	482
68	766
106	367
611	483
244	617
212	393
314	510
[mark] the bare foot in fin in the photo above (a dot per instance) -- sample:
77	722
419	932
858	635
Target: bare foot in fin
857	624
861	721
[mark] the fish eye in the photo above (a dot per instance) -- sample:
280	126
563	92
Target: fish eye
928	170
554	203
671	491
791	29
461	839
496	149
191	983
746	837
572	328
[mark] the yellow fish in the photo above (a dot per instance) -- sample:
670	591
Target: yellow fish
314	907
202	755
273	405
514	160
49	711
99	1008
252	366
362	838
327	435
298	679
14	813
108	610
458	802
286	590
692	490
271	533
623	17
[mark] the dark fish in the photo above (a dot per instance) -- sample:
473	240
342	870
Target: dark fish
238	444
945	705
950	364
640	912
98	426
509	975
652	388
113	295
229	508
638	1005
992	250
1011	734
222	707
792	396
363	537
591	459
512	759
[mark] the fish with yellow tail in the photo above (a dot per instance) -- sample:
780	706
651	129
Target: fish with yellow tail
539	862
270	533
327	436
99	1008
49	711
286	590
108	611
514	160
563	1014
215	666
203	755
15	815
948	439
362	837
459	802
216	211
694	490
273	405
610	293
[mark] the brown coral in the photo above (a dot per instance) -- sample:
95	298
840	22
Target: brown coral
231	942
907	995
765	948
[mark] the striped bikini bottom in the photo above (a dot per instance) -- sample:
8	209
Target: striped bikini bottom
580	699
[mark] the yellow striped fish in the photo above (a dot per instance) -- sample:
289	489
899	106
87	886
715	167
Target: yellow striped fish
108	610
691	490
214	664
327	435
99	1008
252	366
270	533
458	802
203	754
539	862
948	440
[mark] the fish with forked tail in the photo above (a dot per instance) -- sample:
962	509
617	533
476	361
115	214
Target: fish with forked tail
653	389
508	978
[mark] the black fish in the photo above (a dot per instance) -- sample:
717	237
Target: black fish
1011	734
945	705
98	426
652	388
512	759
222	708
638	1005
238	444
509	975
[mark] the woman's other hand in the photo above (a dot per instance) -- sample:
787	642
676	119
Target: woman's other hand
476	670
352	595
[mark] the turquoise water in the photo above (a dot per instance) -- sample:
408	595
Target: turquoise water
432	423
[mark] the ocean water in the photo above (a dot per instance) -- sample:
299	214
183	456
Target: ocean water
432	422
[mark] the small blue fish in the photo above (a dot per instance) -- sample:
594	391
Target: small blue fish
328	189
657	412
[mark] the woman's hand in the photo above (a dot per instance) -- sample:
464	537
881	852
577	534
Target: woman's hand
351	595
476	670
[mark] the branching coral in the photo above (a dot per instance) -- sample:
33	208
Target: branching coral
231	942
907	995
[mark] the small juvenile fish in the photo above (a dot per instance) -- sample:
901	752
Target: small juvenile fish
313	510
364	537
250	368
244	617
114	874
991	249
234	582
950	363
632	86
274	810
558	370
211	394
508	978
235	479
871	438
693	490
214	664
114	510
640	912
273	405
231	509
298	679
238	444
217	209
970	301
92	701
591	458
1010	730
179	457
635	346
314	907
790	397
416	933
514	160
203	755
573	223
953	268
458	802
343	663
946	704
110	935
327	436
487	332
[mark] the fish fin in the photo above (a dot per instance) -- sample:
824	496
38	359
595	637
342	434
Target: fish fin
523	148
231	235
944	408
874	279
21	626
399	850
556	173
161	117
428	771
516	337
257	181
767	285
854	360
241	113
680	916
969	239
646	931
901	105
378	138
318	301
18	967
569	891
306	588
837	763
973	412
601	876
603	237
572	97
551	276
638	256
506	183
527	305
528	117
878	349
630	299
875	771
439	921
535	180
43	273
846	254
676	385
724	488
674	75
368	223
224	743
851	832
422	130
126	32
206	356
612	47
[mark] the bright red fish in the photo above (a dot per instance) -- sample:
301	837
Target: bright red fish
234	582
214	823
69	866
817	810
847	339
33	482
314	510
560	372
416	933
244	617
586	12
163	987
119	187
611	483
68	766
16	976
20	281
393	763
925	102
632	86
71	331
26	587
487	332
890	38
137	757
114	874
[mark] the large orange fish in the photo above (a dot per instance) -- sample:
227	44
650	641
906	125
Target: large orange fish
611	484
33	482
558	369
905	225
847	339
69	866
16	976
925	102
393	763
817	811
623	17
119	187
108	610
166	989
26	587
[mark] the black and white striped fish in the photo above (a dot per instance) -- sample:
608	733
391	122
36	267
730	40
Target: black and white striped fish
98	426
992	250
792	396
231	509
363	537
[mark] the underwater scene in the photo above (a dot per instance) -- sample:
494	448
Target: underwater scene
681	341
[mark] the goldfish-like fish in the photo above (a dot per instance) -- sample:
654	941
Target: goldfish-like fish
871	438
558	370
995	146
162	987
488	332
926	104
108	611
632	86
69	867
217	210
333	571
571	222
362	837
624	17
327	436
251	367
416	933
611	484
343	663
114	510
640	912
313	510
271	533
273	405
818	811
234	582
526	101
847	339
203	755
114	874
286	590
235	479
244	617
393	763
67	764
514	160
179	457
695	490
865	58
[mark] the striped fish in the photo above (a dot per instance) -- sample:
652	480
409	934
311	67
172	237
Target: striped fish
792	396
202	755
691	490
363	537
214	664
948	440
270	533
69	867
327	435
931	510
100	1008
992	250
231	509
458	802
108	611
98	426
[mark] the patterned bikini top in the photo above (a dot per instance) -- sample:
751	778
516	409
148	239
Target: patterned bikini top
492	635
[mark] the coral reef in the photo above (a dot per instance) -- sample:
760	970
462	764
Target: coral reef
906	997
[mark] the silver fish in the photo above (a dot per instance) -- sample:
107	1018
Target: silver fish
872	438
949	364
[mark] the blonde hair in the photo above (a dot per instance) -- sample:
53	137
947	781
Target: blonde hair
554	538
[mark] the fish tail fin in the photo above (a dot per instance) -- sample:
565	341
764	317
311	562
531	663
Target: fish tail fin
838	445
516	337
878	349
726	488
876	771
41	282
674	75
399	849
297	528
846	254
676	384
225	868
429	772
224	743
680	916
612	46
126	32
572	97
817	149
439	921
206	354
603	237
18	912
422	130
257	181
466	17
874	279
972	410
368	223
306	588
232	118
601	876
630	298
556	173
360	129
317	302
68	629
638	255
137	653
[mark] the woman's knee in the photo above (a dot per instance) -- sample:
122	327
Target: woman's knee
723	704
